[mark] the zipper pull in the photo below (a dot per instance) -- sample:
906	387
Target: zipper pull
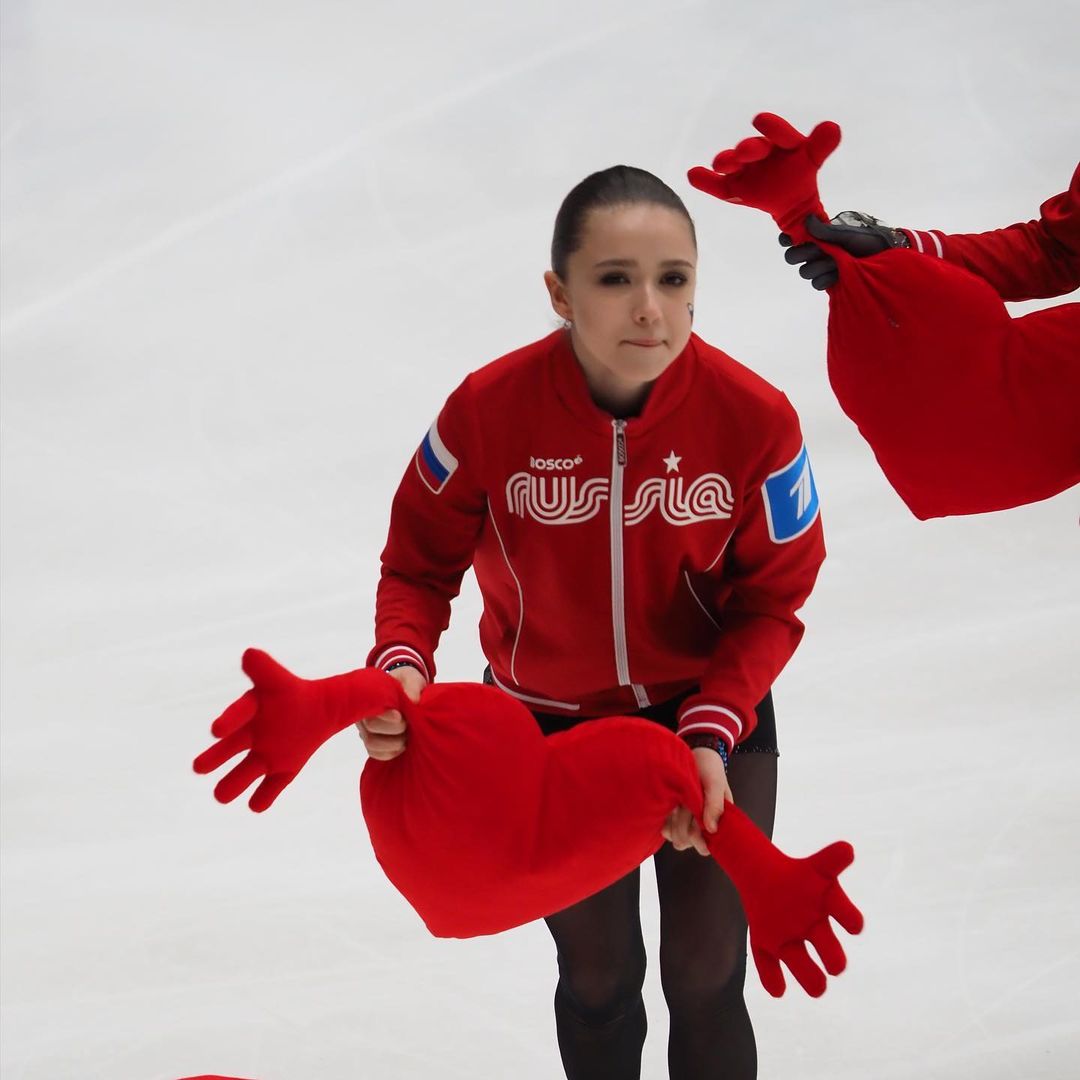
620	441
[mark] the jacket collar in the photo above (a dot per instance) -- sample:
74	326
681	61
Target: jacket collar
668	392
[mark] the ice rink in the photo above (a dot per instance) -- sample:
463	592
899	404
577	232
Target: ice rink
248	249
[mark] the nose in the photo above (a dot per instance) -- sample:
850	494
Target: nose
646	307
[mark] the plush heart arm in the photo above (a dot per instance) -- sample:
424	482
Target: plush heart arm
282	720
788	902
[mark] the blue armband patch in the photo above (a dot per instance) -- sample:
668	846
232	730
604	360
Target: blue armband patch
791	499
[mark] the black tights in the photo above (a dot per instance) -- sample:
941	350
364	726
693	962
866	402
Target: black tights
599	1012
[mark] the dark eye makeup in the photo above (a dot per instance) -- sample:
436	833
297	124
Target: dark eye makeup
616	277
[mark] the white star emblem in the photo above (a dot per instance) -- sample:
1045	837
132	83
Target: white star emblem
672	462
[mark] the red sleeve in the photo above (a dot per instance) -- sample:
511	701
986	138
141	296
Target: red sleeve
1031	260
767	573
435	522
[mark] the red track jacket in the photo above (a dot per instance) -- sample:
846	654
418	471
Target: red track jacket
1034	259
621	562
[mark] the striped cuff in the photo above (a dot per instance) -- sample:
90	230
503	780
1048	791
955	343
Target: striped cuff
393	655
925	242
697	716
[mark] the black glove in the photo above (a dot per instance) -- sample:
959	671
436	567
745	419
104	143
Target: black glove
857	233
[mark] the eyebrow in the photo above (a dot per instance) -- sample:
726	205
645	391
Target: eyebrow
634	262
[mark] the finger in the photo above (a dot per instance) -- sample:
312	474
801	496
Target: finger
824	939
802	253
726	162
826	280
263	670
709	182
269	790
785	240
239	780
387	723
817	267
682	829
385	743
831	861
824	139
213	757
385	755
769	971
844	911
823	230
714	807
777	130
236	715
808	975
753	149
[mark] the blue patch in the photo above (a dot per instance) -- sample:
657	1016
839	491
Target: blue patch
791	499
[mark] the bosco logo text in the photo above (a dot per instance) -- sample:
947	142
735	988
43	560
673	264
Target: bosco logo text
554	464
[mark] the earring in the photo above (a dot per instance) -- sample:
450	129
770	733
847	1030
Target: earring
690	308
567	324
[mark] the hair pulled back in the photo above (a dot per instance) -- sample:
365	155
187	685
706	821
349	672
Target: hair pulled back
620	185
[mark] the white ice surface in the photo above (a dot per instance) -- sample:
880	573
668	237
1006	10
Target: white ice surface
248	248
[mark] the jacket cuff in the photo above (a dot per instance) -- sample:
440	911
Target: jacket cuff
702	715
385	656
925	242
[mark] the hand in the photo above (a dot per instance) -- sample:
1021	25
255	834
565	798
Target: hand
681	827
385	735
283	720
775	172
856	233
682	830
714	786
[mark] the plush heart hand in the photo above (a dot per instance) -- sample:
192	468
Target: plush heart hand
282	720
787	902
775	171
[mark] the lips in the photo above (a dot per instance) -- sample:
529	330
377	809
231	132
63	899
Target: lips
645	343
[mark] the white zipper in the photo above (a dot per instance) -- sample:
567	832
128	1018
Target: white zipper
618	596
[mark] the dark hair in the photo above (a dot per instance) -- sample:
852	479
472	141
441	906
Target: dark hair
621	185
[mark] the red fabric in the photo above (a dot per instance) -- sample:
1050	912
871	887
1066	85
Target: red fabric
787	902
966	409
482	824
775	172
281	722
1026	261
532	466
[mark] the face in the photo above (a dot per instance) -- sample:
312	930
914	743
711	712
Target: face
627	293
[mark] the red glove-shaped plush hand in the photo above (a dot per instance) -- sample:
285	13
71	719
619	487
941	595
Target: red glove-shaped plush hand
775	172
283	720
787	902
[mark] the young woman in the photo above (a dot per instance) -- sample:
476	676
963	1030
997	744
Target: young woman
643	523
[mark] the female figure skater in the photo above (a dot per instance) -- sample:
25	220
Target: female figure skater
643	522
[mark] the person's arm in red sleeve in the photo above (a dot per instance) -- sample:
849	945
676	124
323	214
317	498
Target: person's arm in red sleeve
435	522
768	571
1027	261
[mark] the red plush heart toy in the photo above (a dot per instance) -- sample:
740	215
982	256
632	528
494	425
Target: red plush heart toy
966	409
484	824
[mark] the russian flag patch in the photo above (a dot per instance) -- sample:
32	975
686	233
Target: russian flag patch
434	462
791	499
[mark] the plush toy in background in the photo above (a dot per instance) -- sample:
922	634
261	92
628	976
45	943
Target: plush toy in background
966	409
478	823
